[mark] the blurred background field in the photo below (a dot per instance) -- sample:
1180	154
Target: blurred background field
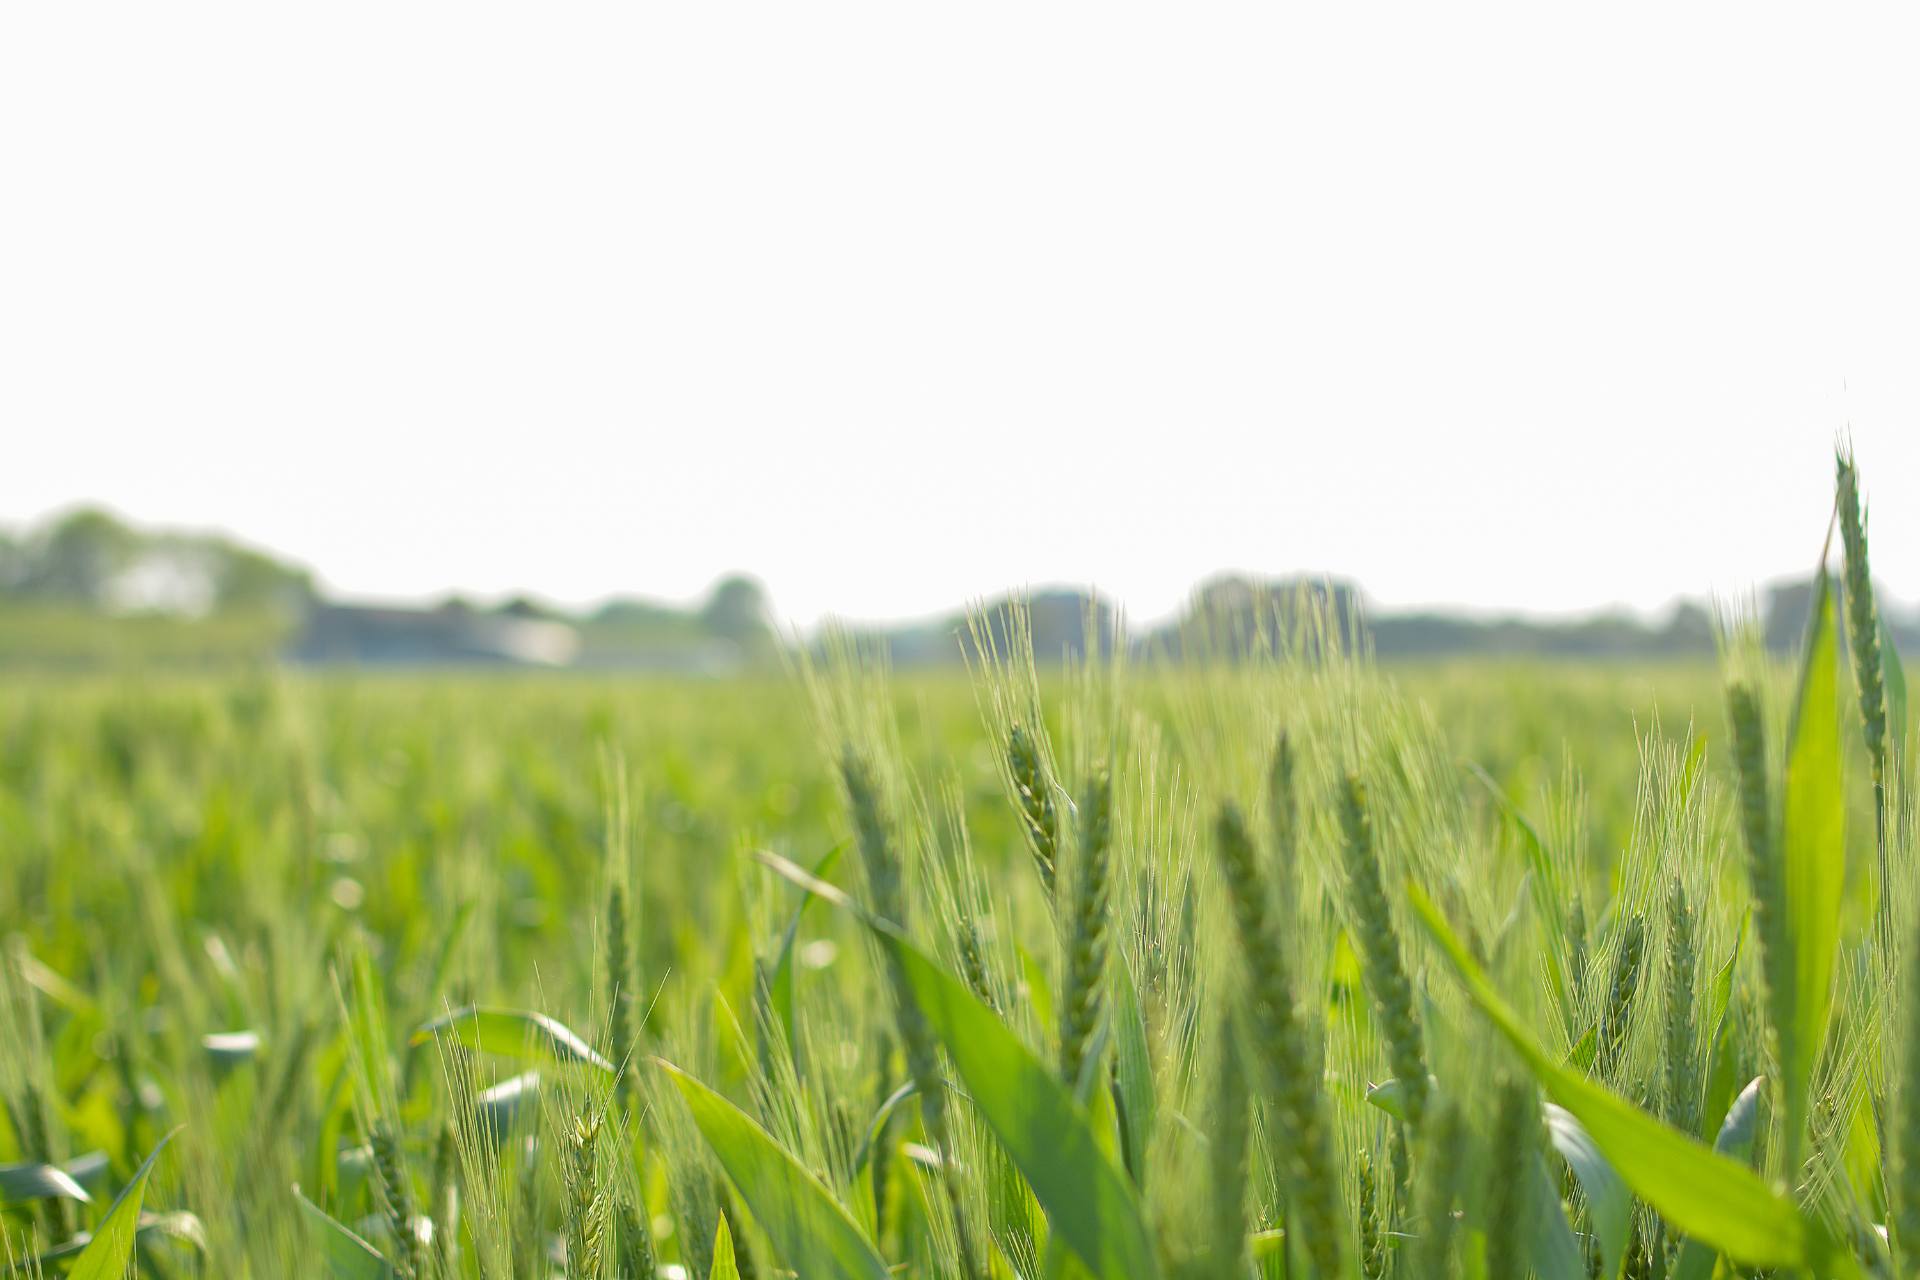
85	590
188	856
254	793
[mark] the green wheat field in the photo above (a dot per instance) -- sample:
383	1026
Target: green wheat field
1285	966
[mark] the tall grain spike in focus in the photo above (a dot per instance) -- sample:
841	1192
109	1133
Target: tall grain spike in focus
1904	1182
619	992
884	879
1384	968
1283	1048
1083	1000
1623	991
1514	1147
1863	639
1283	818
1683	1087
1039	818
586	1199
1227	1150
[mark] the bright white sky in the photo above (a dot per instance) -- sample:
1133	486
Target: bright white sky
898	304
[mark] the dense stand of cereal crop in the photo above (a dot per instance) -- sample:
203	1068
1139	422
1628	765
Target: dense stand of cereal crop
1278	965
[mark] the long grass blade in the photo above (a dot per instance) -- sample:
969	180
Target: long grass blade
1700	1191
106	1255
810	1230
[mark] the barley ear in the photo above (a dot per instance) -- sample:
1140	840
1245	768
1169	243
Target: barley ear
879	1163
1227	1152
1905	1182
1083	997
1283	1046
1439	1188
877	854
635	1243
1863	619
1863	638
1623	990
884	880
1283	817
1577	957
1683	1086
1516	1140
396	1197
586	1198
1384	970
1038	816
1763	863
1373	1231
619	992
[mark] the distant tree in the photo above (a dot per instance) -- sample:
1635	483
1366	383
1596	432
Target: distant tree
1690	629
77	560
737	610
93	559
246	578
526	607
1233	616
624	609
1784	623
1059	623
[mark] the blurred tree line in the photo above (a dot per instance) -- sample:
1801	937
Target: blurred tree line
86	587
92	560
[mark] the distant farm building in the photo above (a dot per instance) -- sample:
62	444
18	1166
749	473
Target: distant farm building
366	635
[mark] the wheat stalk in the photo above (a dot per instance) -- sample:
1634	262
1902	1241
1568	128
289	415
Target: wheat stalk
1515	1145
1227	1169
1683	1087
1863	638
1763	866
1283	1046
619	992
884	881
1623	990
1373	1235
1439	1185
1386	974
586	1199
445	1204
396	1196
1082	997
1283	817
1904	1182
634	1242
1038	816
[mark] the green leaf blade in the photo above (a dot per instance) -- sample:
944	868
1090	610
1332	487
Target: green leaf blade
1813	849
812	1231
25	1183
106	1255
1043	1130
780	987
1550	1240
724	1267
1133	1073
1701	1192
348	1256
1609	1204
513	1033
